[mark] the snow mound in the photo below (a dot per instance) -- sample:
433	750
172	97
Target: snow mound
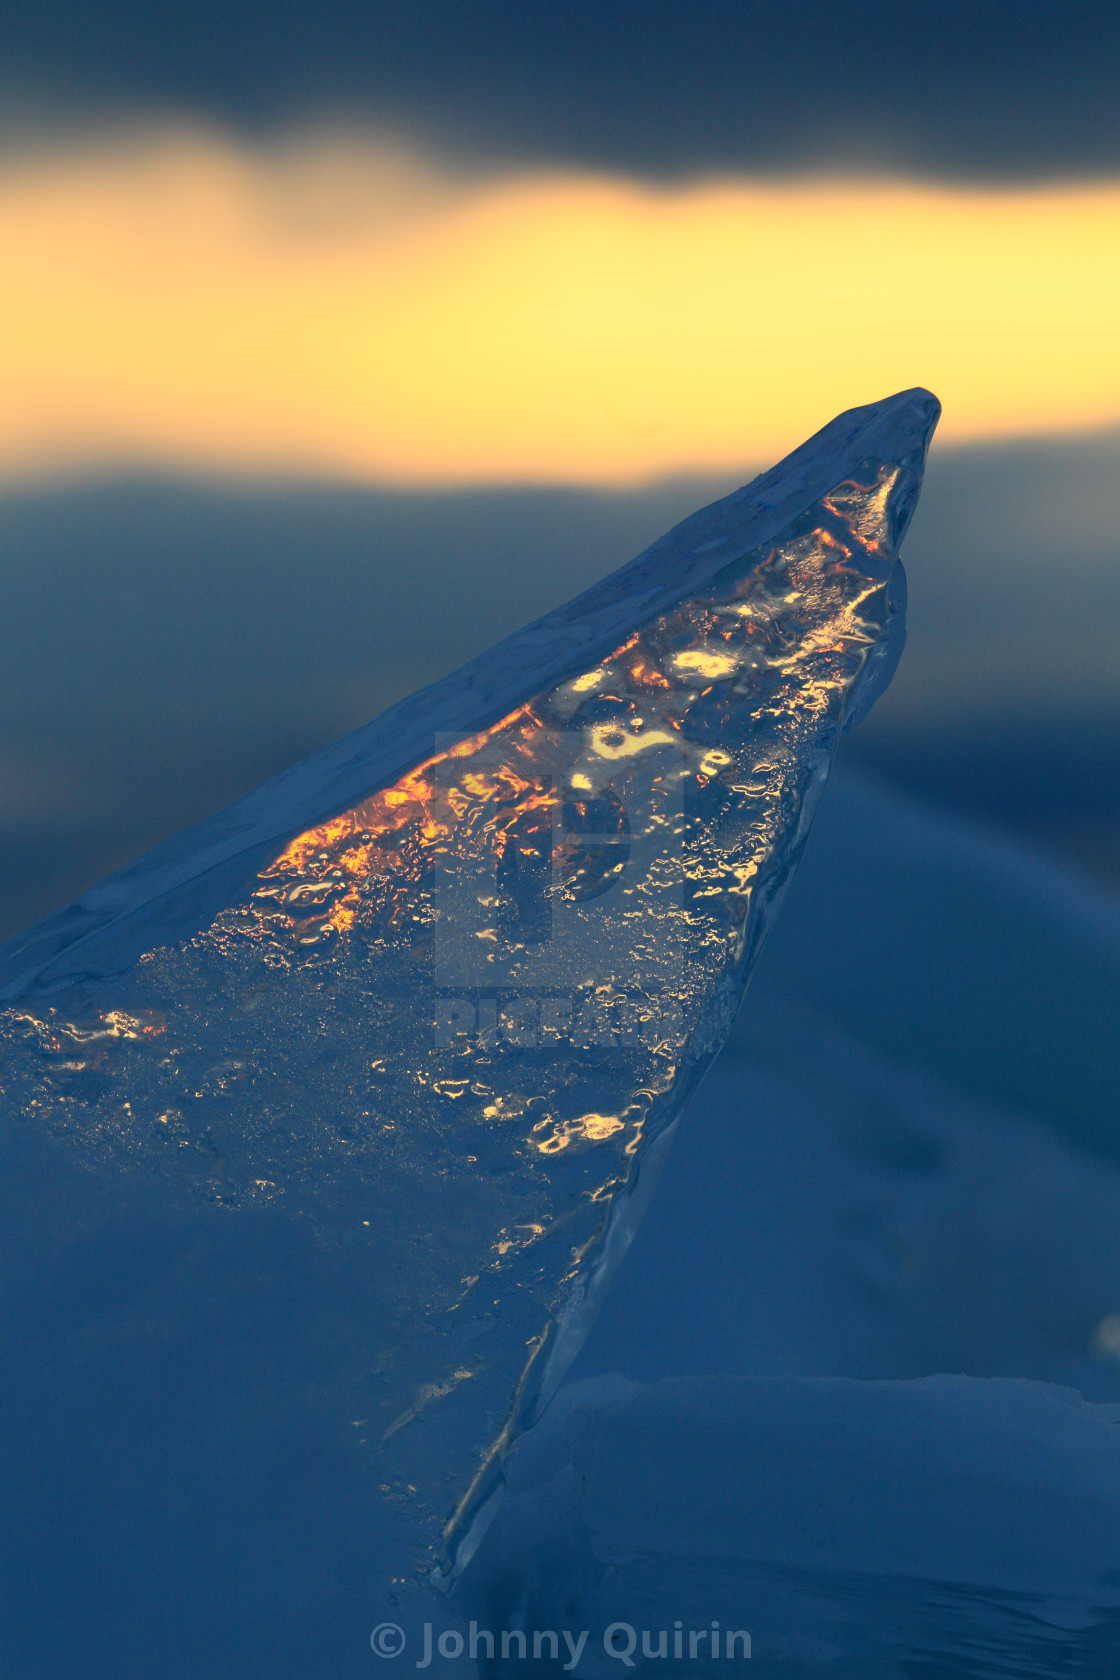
945	1525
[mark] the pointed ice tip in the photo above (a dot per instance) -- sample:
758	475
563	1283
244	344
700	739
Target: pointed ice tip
894	427
177	889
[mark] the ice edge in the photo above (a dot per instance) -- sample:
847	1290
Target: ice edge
195	872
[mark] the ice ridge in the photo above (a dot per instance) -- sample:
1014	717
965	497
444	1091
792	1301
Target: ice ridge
180	884
366	1082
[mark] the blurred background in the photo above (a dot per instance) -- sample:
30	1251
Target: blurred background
340	339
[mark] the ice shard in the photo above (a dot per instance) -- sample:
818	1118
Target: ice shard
325	1124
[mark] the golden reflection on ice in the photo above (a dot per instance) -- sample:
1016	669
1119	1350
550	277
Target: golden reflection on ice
758	634
443	1025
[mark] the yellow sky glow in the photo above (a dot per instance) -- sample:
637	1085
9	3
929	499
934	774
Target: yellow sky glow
343	308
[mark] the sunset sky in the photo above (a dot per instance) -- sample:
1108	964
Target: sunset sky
343	342
351	309
341	337
450	245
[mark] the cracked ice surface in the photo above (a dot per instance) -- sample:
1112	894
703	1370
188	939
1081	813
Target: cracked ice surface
350	1128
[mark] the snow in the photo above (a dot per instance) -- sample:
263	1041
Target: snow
885	1439
946	1524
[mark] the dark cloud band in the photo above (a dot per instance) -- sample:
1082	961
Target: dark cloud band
648	85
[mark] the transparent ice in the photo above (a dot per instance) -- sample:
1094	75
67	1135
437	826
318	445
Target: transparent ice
327	1135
